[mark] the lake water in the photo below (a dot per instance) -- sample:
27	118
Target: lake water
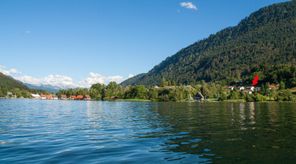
33	131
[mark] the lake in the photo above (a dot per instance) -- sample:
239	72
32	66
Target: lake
36	131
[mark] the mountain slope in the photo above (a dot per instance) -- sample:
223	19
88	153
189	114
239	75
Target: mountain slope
267	38
8	82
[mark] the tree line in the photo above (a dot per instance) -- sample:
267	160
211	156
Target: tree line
182	93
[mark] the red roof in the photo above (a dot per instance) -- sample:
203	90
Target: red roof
79	97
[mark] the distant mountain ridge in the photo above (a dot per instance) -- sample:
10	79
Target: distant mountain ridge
48	88
267	38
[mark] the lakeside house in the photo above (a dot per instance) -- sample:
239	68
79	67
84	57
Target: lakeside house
245	89
199	96
44	96
77	97
252	89
87	98
72	97
274	86
36	96
64	97
10	95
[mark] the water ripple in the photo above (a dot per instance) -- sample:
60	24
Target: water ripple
33	131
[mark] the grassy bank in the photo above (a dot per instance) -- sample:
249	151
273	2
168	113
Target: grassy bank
134	100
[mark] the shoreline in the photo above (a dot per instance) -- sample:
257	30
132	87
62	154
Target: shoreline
146	100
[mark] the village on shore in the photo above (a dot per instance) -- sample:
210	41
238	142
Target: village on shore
198	96
62	97
168	92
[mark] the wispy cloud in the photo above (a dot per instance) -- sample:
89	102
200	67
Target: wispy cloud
9	71
130	75
188	5
62	81
94	78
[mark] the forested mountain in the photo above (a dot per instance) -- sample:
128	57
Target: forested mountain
12	86
133	80
263	43
10	83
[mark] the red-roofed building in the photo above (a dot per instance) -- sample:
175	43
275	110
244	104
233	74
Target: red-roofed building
79	97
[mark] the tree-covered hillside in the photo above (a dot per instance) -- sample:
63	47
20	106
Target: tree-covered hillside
261	43
8	84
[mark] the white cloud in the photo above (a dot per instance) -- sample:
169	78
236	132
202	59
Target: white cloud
29	80
62	81
9	71
188	5
117	79
94	78
130	76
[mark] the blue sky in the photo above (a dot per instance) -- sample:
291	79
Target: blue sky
103	40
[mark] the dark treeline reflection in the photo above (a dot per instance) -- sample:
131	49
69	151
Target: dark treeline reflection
231	132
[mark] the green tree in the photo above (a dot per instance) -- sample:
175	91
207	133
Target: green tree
113	90
293	82
205	91
164	94
250	98
284	95
234	95
137	92
164	82
96	91
2	93
282	85
153	94
259	97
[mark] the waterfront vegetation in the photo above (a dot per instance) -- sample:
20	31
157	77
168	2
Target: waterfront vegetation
16	92
268	89
183	93
11	88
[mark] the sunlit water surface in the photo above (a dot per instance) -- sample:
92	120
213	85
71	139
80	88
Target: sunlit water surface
33	131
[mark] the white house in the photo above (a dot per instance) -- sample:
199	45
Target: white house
252	89
36	96
241	88
231	88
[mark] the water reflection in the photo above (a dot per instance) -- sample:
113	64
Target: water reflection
235	132
129	132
